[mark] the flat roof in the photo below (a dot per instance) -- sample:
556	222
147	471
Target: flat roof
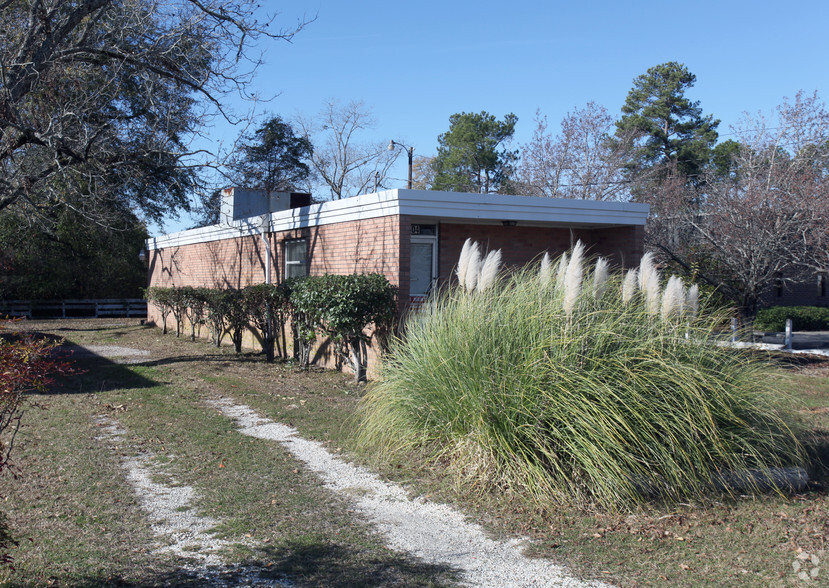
424	204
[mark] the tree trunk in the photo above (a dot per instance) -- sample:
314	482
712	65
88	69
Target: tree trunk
357	357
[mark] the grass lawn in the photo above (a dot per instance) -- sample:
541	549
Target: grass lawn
78	522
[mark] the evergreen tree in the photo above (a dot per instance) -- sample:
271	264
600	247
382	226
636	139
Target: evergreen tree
669	132
471	156
76	258
273	158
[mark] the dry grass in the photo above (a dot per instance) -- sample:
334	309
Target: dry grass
78	523
86	528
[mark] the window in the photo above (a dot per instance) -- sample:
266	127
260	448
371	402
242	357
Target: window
296	260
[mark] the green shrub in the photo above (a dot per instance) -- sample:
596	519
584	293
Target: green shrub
179	302
266	306
574	388
353	303
215	312
306	299
804	318
235	315
194	301
161	298
341	306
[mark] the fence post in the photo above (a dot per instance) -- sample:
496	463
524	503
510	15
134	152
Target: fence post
734	329
787	340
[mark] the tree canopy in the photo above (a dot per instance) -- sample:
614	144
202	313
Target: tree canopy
99	98
75	259
273	158
759	217
668	129
342	161
580	162
472	156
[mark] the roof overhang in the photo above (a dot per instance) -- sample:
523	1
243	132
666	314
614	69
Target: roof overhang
441	206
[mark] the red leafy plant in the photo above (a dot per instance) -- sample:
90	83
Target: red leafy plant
27	364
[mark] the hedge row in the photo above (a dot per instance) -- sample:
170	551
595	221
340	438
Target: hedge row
804	318
339	307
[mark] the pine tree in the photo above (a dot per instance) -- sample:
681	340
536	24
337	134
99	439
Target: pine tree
669	132
469	158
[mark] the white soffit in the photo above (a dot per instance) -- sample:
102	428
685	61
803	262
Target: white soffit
444	206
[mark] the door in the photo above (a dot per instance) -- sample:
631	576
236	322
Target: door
422	271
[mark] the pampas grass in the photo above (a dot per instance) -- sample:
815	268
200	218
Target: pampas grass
629	286
561	271
545	272
572	279
649	283
602	408
692	301
469	265
673	299
601	273
489	270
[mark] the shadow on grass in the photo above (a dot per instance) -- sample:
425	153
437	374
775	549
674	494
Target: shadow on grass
245	357
97	373
298	564
817	451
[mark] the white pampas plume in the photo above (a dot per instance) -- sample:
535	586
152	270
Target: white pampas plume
653	295
489	270
468	265
692	301
630	285
646	269
649	283
673	298
545	272
474	269
601	273
572	279
463	263
560	271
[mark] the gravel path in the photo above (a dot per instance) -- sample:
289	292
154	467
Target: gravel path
173	519
435	533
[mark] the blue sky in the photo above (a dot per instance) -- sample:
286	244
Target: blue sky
415	64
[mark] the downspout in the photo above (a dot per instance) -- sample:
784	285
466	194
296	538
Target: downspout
262	229
267	257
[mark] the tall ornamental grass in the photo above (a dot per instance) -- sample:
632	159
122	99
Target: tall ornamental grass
576	386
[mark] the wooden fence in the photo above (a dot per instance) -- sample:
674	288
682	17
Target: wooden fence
130	307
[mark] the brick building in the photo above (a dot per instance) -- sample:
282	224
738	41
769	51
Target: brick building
413	237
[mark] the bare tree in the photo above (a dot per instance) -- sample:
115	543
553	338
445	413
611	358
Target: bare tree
98	98
760	221
342	162
423	173
580	162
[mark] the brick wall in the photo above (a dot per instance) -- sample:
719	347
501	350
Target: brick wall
805	293
519	245
229	263
343	248
372	245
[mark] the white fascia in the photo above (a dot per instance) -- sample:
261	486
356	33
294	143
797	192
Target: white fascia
444	206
